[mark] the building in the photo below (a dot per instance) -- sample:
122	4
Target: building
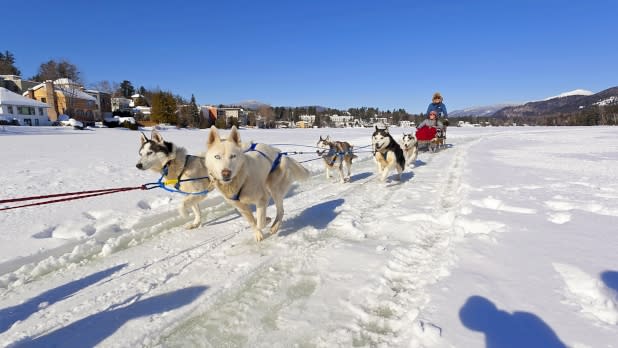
308	119
103	102
65	97
341	121
230	113
25	111
15	84
121	104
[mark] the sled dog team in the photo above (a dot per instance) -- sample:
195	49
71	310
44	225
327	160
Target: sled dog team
249	174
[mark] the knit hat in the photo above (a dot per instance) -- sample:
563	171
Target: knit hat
437	95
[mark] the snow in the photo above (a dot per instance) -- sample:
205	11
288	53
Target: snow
506	238
573	92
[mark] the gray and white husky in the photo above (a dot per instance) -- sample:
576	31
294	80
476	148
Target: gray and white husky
251	177
336	154
387	153
409	145
175	163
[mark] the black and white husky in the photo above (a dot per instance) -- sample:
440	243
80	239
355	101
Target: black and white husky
177	165
387	153
336	154
409	145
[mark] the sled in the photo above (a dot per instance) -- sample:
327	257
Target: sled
434	144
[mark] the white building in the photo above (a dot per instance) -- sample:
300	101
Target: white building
26	111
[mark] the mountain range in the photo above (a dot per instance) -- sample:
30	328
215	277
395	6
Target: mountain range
564	102
568	103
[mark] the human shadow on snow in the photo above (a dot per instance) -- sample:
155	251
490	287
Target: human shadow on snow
610	278
10	315
318	216
504	329
92	330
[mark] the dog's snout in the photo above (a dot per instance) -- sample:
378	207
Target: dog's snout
139	166
226	173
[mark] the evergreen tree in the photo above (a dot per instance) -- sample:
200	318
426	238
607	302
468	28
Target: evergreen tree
7	64
194	113
126	89
164	108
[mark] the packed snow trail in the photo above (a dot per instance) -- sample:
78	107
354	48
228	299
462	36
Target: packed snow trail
247	294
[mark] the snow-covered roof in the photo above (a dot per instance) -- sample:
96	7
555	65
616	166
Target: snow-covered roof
8	97
67	88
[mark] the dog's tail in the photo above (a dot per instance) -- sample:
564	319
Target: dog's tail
295	170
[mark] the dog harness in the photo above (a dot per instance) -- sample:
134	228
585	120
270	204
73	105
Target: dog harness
176	182
274	166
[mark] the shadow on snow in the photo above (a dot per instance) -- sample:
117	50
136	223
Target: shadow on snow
318	216
610	278
10	315
92	330
504	329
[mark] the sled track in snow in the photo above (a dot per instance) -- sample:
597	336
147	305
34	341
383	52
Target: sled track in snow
269	292
273	292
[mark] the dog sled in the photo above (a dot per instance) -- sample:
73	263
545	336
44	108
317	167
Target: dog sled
431	139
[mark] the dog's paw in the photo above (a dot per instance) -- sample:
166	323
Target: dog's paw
192	225
346	179
259	236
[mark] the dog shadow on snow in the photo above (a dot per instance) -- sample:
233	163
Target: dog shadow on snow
92	330
610	278
11	315
318	216
504	329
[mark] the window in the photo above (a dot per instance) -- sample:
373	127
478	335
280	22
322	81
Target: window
44	100
10	109
36	121
27	122
26	110
41	112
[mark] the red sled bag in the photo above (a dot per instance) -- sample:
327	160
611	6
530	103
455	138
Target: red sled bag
426	133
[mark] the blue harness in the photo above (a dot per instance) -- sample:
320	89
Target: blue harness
176	182
274	166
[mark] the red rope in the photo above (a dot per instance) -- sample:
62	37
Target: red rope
77	195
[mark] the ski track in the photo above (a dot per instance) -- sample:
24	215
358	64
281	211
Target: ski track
269	293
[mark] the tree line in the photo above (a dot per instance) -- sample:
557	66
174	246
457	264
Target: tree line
167	107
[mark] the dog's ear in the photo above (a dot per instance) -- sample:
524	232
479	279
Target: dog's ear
234	135
142	138
213	136
156	137
327	138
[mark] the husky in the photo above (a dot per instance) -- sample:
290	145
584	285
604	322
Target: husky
409	146
438	141
175	163
336	154
251	177
387	153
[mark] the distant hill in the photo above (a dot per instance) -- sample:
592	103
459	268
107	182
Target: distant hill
560	104
251	104
484	111
573	92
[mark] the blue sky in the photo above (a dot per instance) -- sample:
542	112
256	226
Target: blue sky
388	54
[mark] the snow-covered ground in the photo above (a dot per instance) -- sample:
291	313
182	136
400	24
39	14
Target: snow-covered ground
506	238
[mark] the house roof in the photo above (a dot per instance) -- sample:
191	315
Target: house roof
8	97
67	87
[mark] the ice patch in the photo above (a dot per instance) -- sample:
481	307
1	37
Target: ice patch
496	204
559	218
481	227
589	293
